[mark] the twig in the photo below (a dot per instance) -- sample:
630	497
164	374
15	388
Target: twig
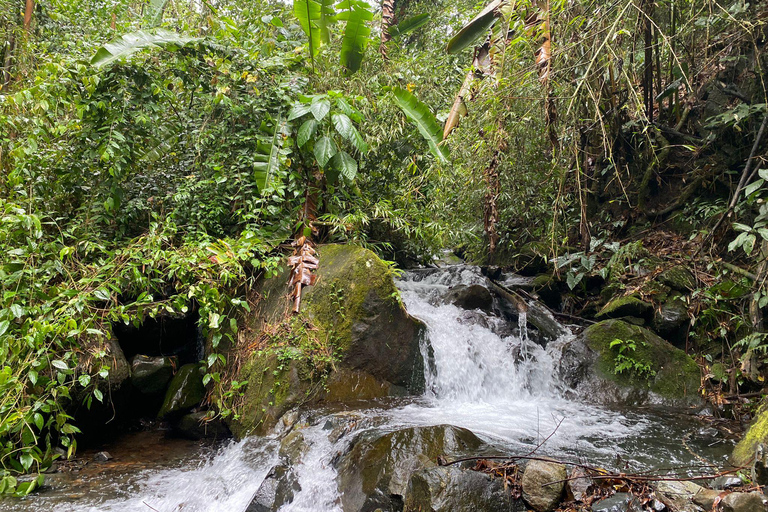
546	438
150	506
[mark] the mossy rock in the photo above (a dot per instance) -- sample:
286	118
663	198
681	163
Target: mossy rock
625	306
754	444
185	391
678	278
353	315
671	374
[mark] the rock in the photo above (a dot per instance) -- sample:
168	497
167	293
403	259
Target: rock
625	306
541	497
119	369
619	502
743	502
681	494
102	457
671	317
375	472
473	296
752	448
578	483
355	307
195	426
705	498
678	278
451	489
293	446
726	482
185	391
150	375
277	489
664	374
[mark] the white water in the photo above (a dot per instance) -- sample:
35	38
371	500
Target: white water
482	376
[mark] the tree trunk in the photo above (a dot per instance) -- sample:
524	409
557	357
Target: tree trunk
387	20
30	8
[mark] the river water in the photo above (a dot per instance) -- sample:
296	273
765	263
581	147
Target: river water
482	374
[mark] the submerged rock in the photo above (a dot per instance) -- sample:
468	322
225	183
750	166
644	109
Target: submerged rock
278	489
451	489
543	484
355	310
376	470
150	375
653	372
185	391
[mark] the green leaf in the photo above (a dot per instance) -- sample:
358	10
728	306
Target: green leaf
155	12
345	165
346	129
58	363
267	163
476	28
409	25
320	108
306	132
26	461
4	326
298	110
425	121
763	173
84	380
129	44
99	395
325	148
39	420
752	187
357	14
314	17
102	294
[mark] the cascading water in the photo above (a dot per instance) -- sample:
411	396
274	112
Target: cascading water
481	374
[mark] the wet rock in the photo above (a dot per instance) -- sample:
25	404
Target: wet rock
375	472
625	306
538	495
375	339
670	317
680	494
753	447
619	502
726	482
451	489
278	489
678	278
470	297
743	502
119	369
293	446
102	457
185	391
196	426
151	375
660	373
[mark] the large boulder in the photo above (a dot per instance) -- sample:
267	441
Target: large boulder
375	472
185	391
451	489
472	296
625	306
753	447
352	340
150	375
595	365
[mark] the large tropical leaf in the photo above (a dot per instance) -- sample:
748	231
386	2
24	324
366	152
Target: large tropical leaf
357	14
308	13
327	18
476	28
409	25
155	11
425	121
267	159
129	44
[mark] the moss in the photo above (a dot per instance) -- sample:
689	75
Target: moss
625	306
674	374
678	278
757	434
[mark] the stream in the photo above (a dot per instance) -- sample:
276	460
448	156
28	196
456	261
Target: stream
482	373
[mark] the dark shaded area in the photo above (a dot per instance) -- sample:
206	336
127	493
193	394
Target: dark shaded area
163	336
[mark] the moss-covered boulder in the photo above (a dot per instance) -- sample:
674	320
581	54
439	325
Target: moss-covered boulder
352	340
616	362
625	306
185	391
375	472
450	489
678	278
753	447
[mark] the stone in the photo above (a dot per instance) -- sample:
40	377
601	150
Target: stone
669	375
578	483
185	391
473	296
376	470
743	502
705	498
151	375
671	316
681	493
625	306
119	369
538	495
678	278
195	425
452	489
726	482
619	502
375	342
278	488
752	449
102	457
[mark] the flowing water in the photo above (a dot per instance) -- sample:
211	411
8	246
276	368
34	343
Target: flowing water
482	373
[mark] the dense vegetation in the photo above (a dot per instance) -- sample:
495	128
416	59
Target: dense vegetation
171	168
